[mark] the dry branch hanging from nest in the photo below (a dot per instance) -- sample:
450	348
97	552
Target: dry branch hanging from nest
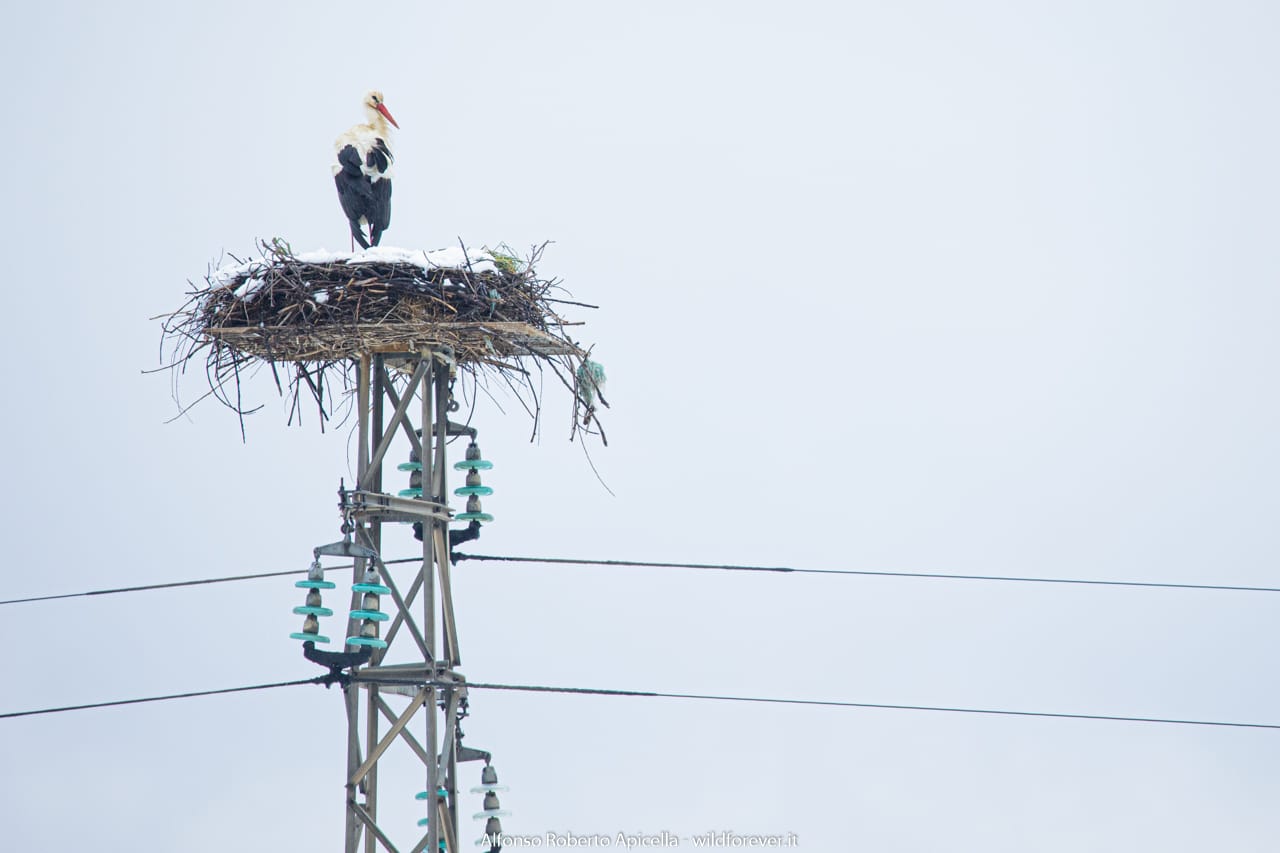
310	314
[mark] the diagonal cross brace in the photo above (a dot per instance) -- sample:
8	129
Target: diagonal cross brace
403	615
398	619
390	736
404	733
390	391
367	819
397	417
403	606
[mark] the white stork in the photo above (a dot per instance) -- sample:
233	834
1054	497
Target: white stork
363	172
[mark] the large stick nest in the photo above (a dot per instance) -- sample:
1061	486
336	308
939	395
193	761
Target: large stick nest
309	315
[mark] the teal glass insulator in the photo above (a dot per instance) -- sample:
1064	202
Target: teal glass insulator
473	516
474	511
309	584
488	781
492	808
441	793
375	615
313	607
473	486
315	578
423	795
473	460
310	630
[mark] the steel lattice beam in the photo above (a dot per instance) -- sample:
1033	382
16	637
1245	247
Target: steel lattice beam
422	623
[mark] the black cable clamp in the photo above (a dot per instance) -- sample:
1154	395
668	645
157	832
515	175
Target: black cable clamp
336	662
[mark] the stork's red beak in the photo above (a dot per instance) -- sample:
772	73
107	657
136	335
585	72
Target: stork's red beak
382	108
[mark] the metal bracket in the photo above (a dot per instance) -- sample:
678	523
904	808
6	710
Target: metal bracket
375	506
467	753
462	429
345	548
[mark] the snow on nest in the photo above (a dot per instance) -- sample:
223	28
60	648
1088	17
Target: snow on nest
454	257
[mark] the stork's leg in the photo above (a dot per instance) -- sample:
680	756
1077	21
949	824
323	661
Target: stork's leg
375	235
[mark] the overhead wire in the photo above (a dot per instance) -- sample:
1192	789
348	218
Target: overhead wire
173	584
142	700
652	694
833	703
861	573
144	587
728	567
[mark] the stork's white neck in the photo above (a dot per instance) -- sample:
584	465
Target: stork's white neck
377	122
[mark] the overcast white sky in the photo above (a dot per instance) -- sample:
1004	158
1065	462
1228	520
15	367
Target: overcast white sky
982	287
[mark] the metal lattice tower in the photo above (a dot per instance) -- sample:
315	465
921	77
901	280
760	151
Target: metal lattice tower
405	323
422	619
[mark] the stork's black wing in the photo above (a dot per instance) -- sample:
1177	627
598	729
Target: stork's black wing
355	193
379	160
349	160
380	214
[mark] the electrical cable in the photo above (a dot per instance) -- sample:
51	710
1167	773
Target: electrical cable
143	587
652	694
861	572
171	585
318	680
650	564
594	691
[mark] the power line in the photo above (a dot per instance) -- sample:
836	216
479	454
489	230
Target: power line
659	565
861	572
652	694
173	584
188	583
829	703
319	680
150	586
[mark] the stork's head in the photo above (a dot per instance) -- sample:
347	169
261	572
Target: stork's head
374	107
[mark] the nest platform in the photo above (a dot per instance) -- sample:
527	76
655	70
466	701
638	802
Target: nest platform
323	307
315	312
471	342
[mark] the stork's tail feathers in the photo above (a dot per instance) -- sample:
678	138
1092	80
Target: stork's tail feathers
357	234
